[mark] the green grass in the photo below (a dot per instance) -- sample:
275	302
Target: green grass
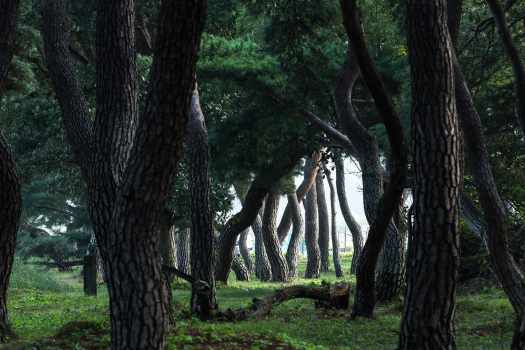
483	320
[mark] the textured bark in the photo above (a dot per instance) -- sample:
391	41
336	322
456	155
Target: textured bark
310	173
10	197
259	188
128	158
324	224
333	228
433	254
311	234
245	252
353	226
271	241
90	274
240	270
202	238
514	55
183	243
292	253
168	246
263	270
380	207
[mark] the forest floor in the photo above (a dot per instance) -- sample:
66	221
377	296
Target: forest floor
49	311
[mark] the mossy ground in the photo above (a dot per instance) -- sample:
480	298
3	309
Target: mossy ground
46	317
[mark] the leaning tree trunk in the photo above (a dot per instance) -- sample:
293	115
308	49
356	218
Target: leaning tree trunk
434	253
202	237
324	224
513	53
353	226
292	254
271	241
240	270
311	234
10	197
335	239
183	250
245	252
263	270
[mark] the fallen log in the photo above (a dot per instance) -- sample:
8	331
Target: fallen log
332	296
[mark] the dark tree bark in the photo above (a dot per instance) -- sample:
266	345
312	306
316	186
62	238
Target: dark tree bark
263	270
324	224
310	173
382	207
512	50
240	270
259	188
353	226
89	274
183	243
202	237
271	241
128	158
311	234
433	254
292	253
168	246
245	252
333	229
10	197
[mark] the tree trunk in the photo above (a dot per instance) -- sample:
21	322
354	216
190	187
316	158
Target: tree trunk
433	254
379	207
324	224
271	241
311	168
10	197
245	252
168	246
240	270
311	234
292	254
335	239
514	55
202	237
183	250
89	274
263	270
353	226
259	188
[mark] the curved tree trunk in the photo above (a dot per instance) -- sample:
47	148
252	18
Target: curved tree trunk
379	207
263	270
259	188
514	55
311	168
183	250
434	255
245	252
353	226
292	253
335	239
311	234
202	235
271	241
10	197
324	224
240	270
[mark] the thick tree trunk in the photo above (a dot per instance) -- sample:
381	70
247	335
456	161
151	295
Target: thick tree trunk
515	57
202	237
271	241
259	188
168	246
351	223
335	239
263	270
10	197
433	255
311	168
379	207
183	243
240	270
324	224
292	253
311	234
245	252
